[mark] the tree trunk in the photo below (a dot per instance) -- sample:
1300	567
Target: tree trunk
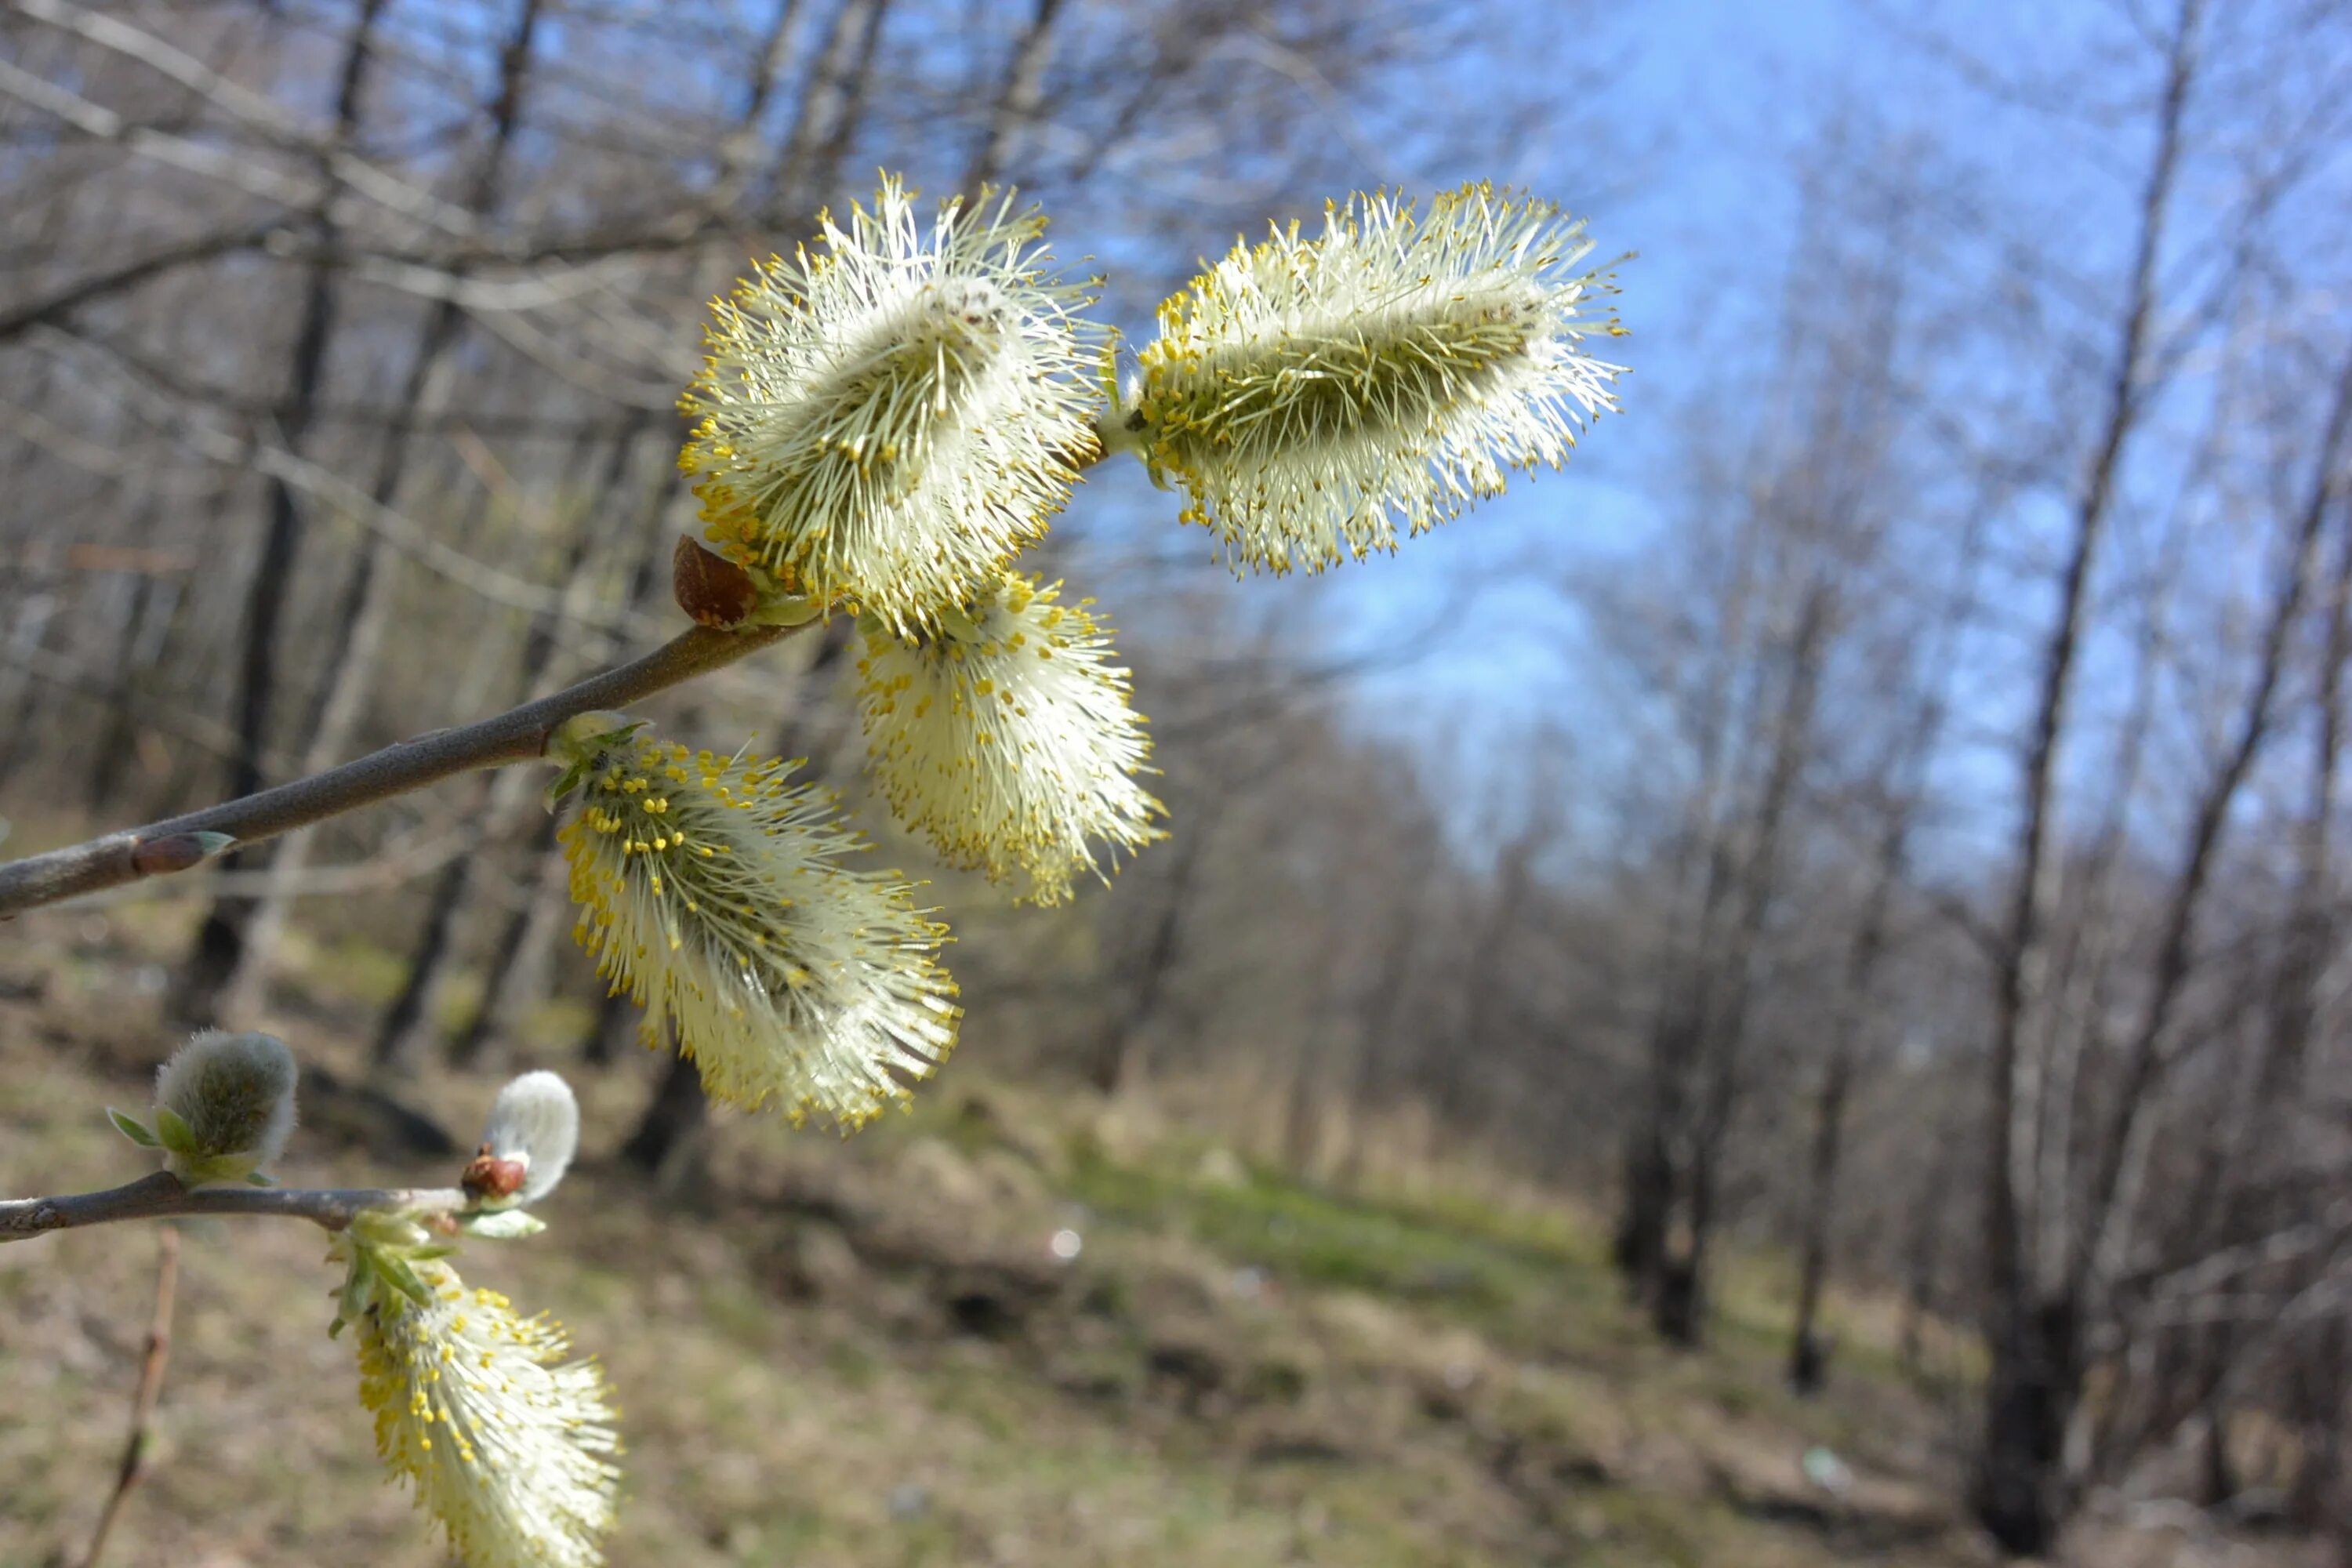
1679	1312
831	107
1923	1253
1653	1170
2315	1499
1809	1352
667	1144
1018	97
1383	1022
401	1031
365	610
404	1031
615	1025
509	982
220	942
152	597
1115	1062
2020	1489
2030	1388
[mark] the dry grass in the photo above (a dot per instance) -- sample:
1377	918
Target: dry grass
865	1353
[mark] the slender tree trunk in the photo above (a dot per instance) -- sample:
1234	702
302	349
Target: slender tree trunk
1679	1312
153	603
366	608
364	616
2114	1189
616	1025
2317	1402
517	957
1017	101
737	154
403	1027
37	607
1808	1351
831	106
220	942
404	1031
1482	981
1923	1250
1382	1017
2253	1155
2020	1493
1115	1063
1701	882
666	1143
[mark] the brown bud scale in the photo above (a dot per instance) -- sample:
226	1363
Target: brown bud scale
712	590
487	1176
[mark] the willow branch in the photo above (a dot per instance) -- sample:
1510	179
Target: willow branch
162	1197
518	735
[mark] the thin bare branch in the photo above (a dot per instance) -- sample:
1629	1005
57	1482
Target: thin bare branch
518	735
163	1196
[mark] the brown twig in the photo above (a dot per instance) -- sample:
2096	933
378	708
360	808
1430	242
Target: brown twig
162	1197
518	735
151	1389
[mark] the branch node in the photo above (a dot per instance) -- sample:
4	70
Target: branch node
177	852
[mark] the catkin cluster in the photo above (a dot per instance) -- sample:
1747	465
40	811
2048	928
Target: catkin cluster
883	424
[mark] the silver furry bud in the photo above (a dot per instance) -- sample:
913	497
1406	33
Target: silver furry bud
534	1123
224	1105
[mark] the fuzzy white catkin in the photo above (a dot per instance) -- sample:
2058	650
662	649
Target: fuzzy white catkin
507	1442
720	897
535	1120
1317	397
236	1093
1007	739
890	420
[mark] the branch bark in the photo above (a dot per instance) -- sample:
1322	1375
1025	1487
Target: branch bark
162	1197
518	735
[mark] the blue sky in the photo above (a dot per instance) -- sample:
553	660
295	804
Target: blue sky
1709	113
1712	101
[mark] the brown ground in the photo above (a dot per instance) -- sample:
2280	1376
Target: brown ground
865	1355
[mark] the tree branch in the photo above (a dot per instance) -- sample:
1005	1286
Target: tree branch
134	1467
17	319
162	1197
518	735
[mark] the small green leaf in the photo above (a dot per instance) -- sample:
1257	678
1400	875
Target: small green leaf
565	783
425	1254
359	1287
500	1225
403	1278
131	1127
257	1179
335	1327
176	1135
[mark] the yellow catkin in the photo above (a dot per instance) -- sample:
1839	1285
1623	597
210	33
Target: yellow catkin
1007	738
727	909
503	1440
890	420
1312	397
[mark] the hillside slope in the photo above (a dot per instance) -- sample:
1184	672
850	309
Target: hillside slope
870	1353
